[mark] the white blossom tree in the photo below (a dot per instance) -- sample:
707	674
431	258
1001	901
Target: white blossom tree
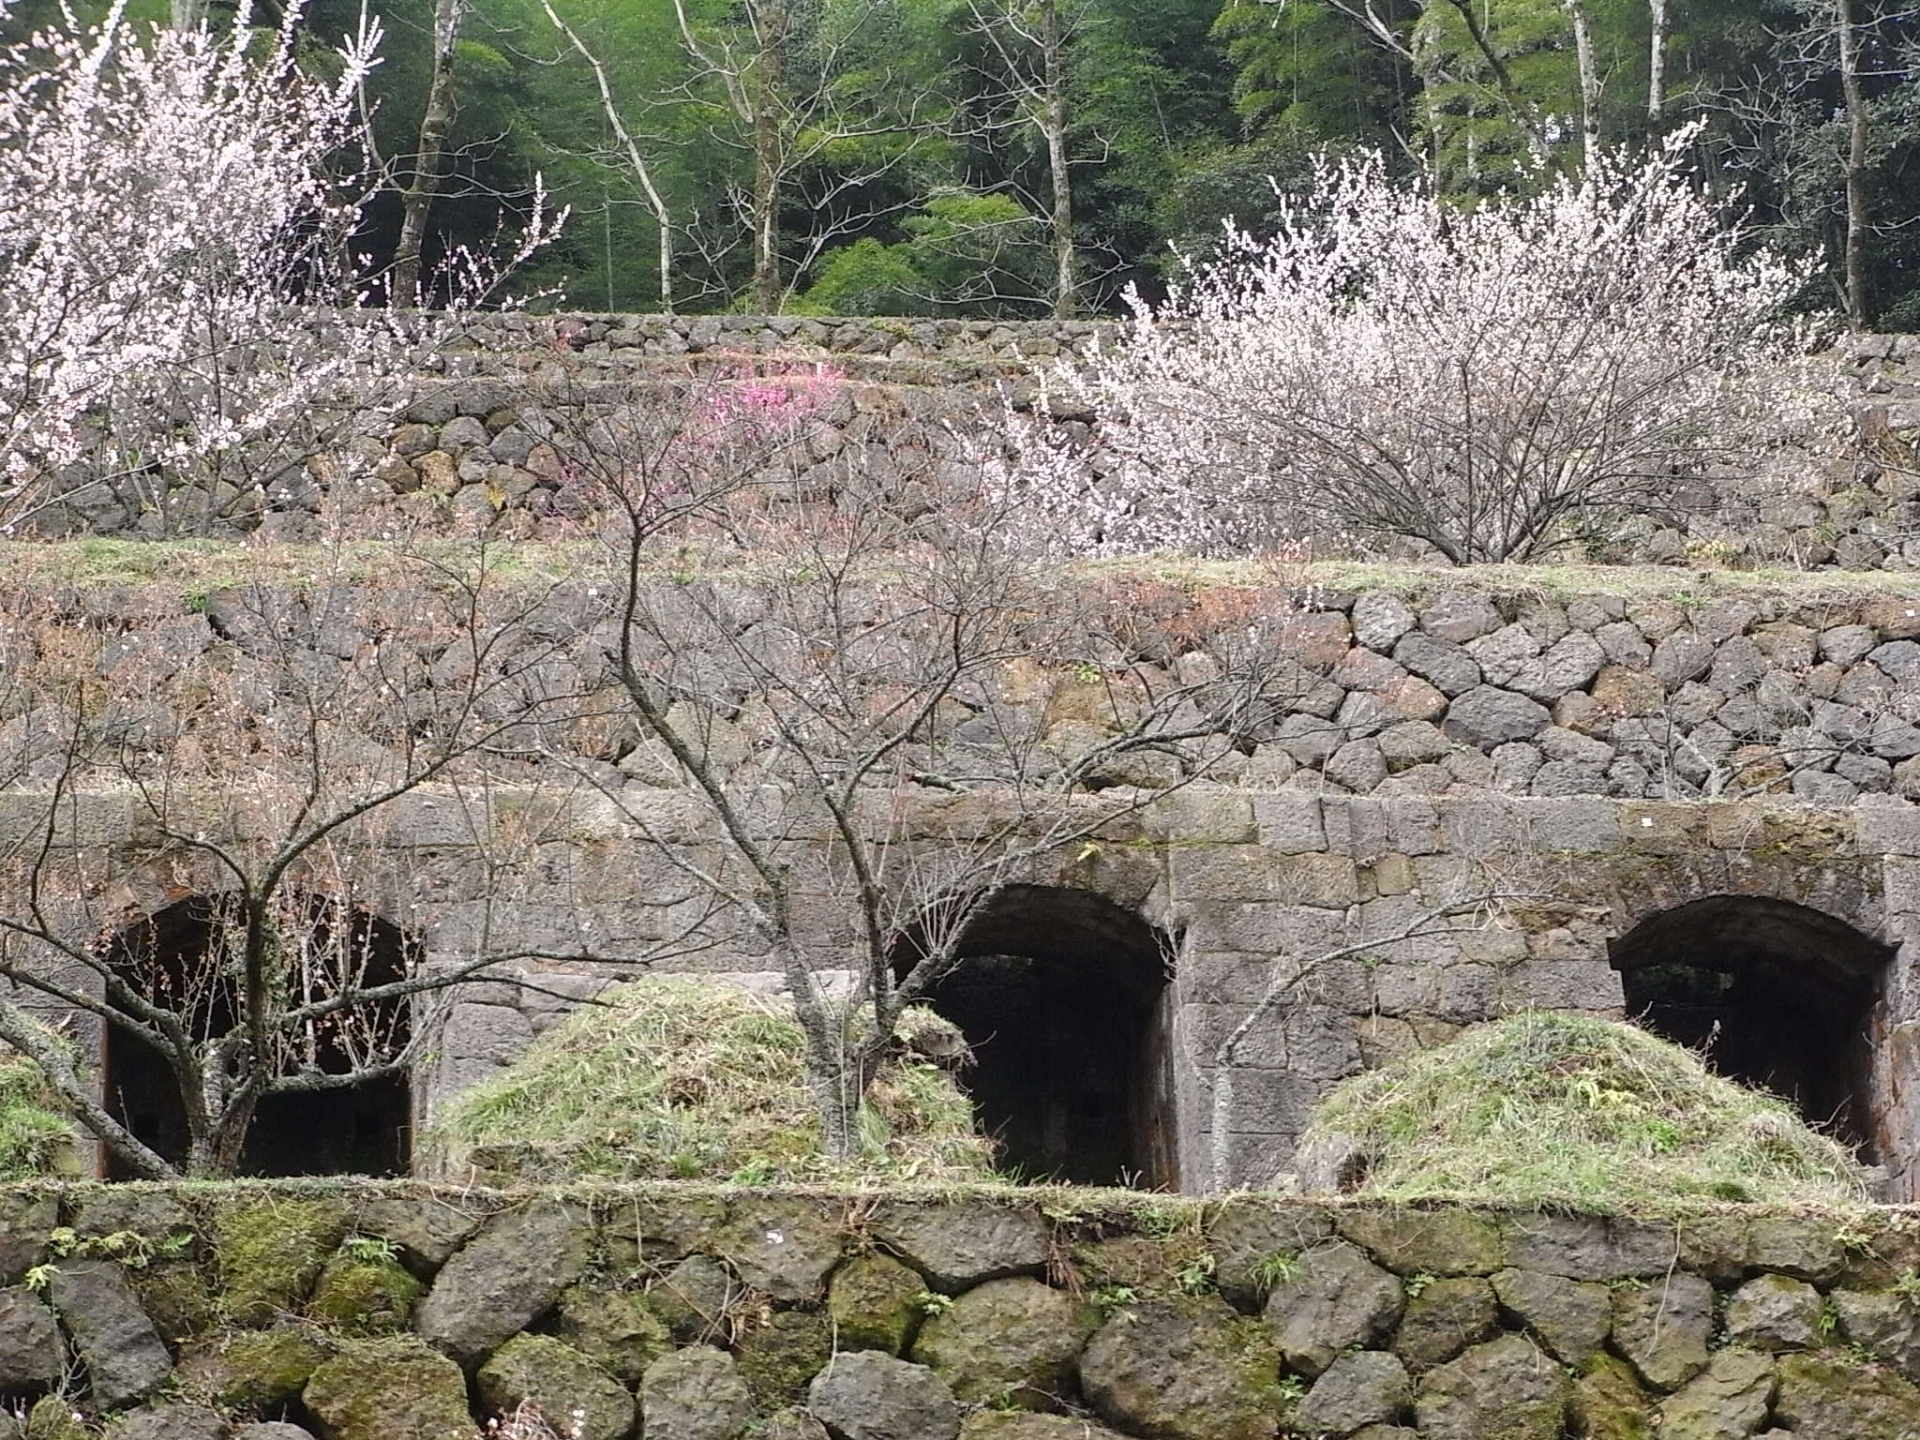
172	195
1389	365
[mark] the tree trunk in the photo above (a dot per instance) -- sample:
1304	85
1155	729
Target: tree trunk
1848	33
1589	79
769	143
188	14
1657	63
1054	80
425	182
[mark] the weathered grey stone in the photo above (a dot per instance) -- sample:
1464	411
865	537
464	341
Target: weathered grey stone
1486	716
864	1395
1185	1369
1773	1312
961	1243
1007	1341
1503	1390
272	1430
1680	657
26	1220
1847	644
874	1302
1017	1425
617	1329
1882	1323
785	1248
394	1388
1504	654
30	1352
693	1297
1459	616
1805	1248
695	1394
1589	1247
123	1353
1607	1402
1380	618
1365	1387
1662	1329
574	1395
1358	765
1448	667
1445	1318
1726	1401
427	1230
1569	1318
170	1422
1427	1242
1247	1238
1822	1397
506	1276
1335	1298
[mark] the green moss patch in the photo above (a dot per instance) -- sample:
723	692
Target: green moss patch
679	1078
270	1254
364	1294
1542	1109
36	1138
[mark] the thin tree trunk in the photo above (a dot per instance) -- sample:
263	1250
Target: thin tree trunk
1657	63
1053	59
1589	79
417	199
770	21
1517	106
188	14
1848	33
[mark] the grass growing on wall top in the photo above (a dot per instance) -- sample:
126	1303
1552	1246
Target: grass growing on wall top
35	1139
689	1079
1541	1109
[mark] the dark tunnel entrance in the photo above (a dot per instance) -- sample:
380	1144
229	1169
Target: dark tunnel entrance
1063	997
170	956
1773	994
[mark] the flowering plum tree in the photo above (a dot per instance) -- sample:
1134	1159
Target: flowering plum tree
171	196
1389	365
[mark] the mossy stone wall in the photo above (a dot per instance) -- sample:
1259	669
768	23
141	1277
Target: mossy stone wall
401	1312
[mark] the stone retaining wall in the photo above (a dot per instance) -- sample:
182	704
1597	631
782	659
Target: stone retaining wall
399	1313
1249	876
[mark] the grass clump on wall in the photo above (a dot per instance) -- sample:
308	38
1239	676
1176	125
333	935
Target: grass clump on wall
682	1078
35	1138
1542	1109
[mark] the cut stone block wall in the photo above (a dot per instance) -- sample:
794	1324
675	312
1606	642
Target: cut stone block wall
403	1313
1271	862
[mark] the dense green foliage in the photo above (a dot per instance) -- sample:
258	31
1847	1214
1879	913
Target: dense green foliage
1550	1109
913	167
678	1078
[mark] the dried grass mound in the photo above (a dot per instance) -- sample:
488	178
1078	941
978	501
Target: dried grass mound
677	1078
1543	1109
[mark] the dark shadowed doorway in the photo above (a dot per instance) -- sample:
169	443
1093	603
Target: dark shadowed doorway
1063	997
364	1130
1773	994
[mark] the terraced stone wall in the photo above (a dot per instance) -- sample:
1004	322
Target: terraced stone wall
1580	755
399	1313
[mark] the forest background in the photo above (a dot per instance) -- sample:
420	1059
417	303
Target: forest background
1025	157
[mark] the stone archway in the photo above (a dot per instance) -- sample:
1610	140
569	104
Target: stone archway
1774	994
1063	996
365	1130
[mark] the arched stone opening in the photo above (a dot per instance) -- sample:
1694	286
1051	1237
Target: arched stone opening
1773	994
363	1130
1063	997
